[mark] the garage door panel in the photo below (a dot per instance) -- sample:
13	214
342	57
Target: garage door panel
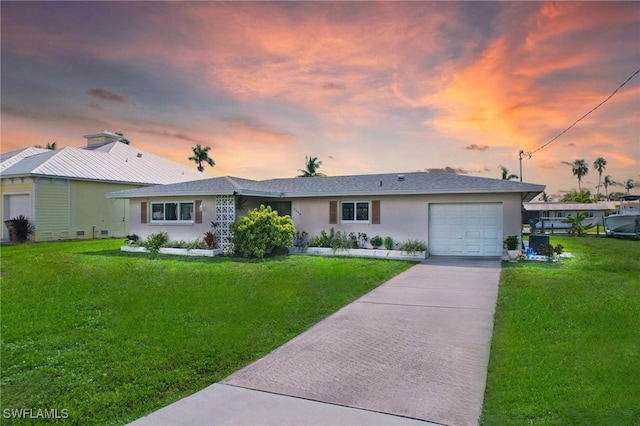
465	229
473	250
490	234
473	235
474	221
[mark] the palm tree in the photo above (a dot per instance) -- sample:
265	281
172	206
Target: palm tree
600	164
577	228
506	175
52	145
123	139
312	166
201	155
629	184
607	183
579	170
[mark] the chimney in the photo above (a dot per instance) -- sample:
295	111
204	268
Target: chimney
95	140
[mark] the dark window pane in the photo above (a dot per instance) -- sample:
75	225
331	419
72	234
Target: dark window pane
284	208
348	211
171	211
362	211
157	211
186	211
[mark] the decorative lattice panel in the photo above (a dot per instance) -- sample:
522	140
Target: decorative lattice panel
225	216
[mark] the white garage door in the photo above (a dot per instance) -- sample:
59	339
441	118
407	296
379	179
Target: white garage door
465	229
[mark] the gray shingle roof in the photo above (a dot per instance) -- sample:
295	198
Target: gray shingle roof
114	162
363	185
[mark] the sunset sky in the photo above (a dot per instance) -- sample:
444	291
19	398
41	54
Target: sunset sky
367	87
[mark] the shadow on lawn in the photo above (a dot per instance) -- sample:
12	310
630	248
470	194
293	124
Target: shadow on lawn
185	259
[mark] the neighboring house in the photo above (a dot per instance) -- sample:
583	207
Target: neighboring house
454	214
63	191
550	215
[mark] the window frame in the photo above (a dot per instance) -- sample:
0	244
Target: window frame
178	212
355	211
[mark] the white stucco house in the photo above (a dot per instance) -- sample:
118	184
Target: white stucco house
455	215
551	215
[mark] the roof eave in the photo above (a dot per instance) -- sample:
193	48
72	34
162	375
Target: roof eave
74	178
168	194
528	194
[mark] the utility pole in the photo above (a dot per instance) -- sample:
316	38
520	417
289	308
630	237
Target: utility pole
521	155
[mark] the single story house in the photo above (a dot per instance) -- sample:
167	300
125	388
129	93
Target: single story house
62	191
550	215
453	214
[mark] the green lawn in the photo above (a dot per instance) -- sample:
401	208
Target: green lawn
566	343
111	336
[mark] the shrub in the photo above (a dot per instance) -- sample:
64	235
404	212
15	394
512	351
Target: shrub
341	241
361	240
512	242
549	250
324	239
189	245
301	240
195	244
176	244
21	228
376	241
210	239
132	239
260	231
388	243
154	242
413	246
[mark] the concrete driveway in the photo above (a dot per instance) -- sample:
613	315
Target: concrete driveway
412	351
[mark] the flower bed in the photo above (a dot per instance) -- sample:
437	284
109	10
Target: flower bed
376	253
175	251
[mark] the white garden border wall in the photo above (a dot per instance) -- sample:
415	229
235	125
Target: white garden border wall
375	253
175	251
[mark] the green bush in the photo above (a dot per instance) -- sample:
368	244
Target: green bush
341	241
388	243
412	246
512	242
376	241
260	231
154	242
324	239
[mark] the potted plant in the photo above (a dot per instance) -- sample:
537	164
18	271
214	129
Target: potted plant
20	229
512	242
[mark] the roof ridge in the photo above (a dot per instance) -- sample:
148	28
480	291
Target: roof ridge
231	180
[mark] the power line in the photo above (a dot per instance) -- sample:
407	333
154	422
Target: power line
593	109
523	153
